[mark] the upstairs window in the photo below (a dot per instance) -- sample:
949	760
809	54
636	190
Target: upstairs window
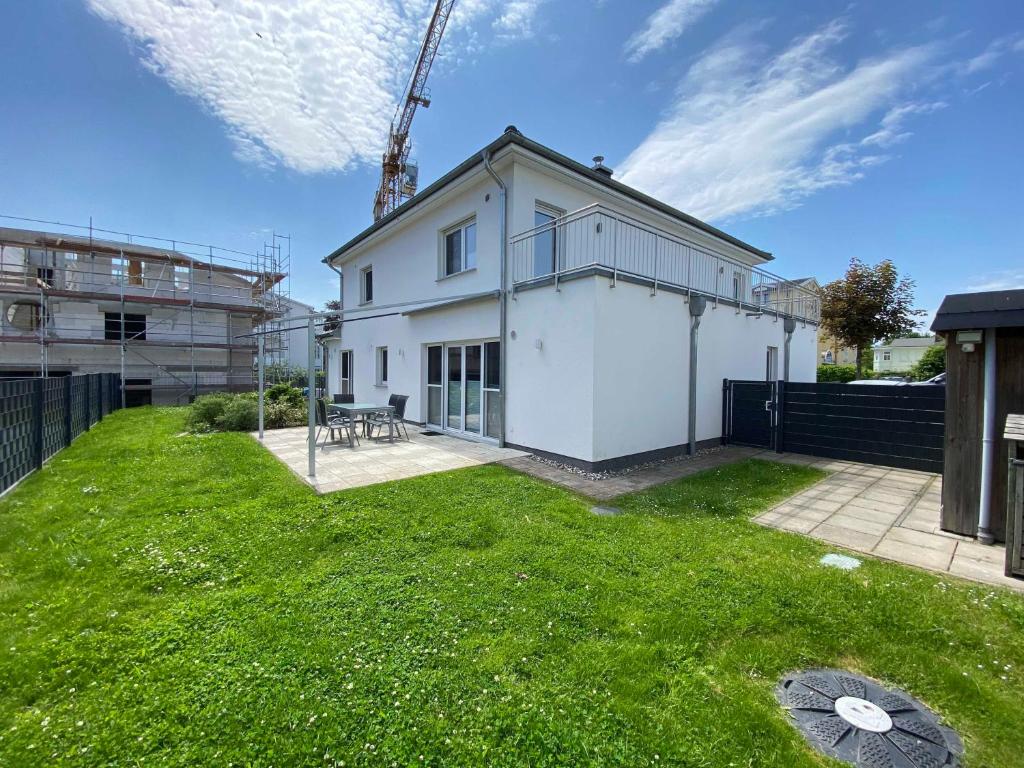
460	248
134	326
182	277
737	285
366	285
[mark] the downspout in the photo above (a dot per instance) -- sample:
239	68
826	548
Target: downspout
697	305
788	325
988	440
503	298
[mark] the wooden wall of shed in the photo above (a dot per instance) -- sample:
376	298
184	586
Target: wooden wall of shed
961	478
965	372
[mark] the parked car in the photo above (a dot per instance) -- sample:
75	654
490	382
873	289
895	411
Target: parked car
888	380
938	379
899	381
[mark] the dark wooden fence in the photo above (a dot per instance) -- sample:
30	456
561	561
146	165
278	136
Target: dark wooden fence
40	416
892	425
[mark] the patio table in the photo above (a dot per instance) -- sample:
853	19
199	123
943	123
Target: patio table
352	410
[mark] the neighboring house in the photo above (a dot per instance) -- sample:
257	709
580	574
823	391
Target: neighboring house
71	303
902	354
830	352
587	358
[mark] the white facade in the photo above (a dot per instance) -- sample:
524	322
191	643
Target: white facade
597	363
902	354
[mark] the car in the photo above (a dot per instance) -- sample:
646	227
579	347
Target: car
889	382
938	379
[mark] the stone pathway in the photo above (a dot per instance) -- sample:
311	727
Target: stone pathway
637	480
888	513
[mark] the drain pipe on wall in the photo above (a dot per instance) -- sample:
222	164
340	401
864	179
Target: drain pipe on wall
697	305
788	325
503	298
988	440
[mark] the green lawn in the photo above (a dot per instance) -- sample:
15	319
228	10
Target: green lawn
182	600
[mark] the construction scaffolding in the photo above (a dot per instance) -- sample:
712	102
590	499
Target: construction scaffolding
166	314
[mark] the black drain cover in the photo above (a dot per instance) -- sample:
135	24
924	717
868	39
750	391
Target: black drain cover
857	720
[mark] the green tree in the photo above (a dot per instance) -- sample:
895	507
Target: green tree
867	304
932	363
331	322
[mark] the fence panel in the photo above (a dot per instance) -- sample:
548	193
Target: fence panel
38	417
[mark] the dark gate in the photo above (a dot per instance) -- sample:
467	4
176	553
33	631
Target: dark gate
894	425
749	413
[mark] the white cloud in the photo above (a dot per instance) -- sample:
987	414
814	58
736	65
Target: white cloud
993	52
891	129
516	19
1002	280
665	25
747	138
311	84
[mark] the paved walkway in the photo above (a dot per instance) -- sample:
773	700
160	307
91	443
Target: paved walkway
636	480
339	467
888	513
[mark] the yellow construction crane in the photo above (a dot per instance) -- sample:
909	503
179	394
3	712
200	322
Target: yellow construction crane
397	177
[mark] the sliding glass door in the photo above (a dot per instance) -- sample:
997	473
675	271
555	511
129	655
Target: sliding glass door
468	388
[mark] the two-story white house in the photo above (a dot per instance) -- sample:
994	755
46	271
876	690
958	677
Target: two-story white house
530	300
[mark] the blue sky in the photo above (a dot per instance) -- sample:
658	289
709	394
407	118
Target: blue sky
816	131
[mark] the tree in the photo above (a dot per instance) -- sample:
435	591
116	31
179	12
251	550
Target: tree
867	304
932	363
331	322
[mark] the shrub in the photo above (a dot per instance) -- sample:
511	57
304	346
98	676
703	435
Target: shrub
281	414
241	414
206	411
839	374
285	393
932	363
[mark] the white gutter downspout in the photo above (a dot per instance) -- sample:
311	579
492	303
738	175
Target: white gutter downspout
503	299
697	305
988	440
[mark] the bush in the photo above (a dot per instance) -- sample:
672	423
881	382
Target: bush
281	414
206	411
286	394
839	374
241	414
932	363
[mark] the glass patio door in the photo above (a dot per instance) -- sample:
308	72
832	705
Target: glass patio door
465	388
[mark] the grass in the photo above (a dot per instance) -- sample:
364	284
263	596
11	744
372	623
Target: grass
184	600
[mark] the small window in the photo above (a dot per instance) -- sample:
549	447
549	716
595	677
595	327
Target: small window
134	327
118	267
737	285
366	285
886	355
382	366
181	277
460	248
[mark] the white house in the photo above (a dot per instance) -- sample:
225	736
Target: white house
528	299
901	354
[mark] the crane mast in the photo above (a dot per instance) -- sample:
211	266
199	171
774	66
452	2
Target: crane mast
396	183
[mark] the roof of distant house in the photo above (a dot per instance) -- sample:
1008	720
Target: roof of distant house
513	136
986	309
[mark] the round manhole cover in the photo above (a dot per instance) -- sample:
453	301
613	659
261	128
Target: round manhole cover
857	720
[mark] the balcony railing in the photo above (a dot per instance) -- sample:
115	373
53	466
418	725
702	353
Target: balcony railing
596	236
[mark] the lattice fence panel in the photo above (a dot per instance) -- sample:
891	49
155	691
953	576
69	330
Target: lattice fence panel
54	425
17	441
79	406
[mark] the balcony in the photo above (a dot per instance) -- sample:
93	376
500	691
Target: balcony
597	238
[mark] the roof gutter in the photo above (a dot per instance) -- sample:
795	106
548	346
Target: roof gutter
503	286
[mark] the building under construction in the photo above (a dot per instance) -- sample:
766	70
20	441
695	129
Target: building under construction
170	316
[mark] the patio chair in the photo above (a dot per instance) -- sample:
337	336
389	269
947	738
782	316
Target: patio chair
383	419
347	399
331	423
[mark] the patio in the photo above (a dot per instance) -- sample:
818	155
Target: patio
888	513
339	467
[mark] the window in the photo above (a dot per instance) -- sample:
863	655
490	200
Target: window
545	242
886	355
45	276
26	315
435	383
366	285
134	327
737	285
181	277
134	272
117	269
346	372
460	248
382	366
492	390
771	369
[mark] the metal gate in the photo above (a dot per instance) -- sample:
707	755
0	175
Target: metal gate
750	413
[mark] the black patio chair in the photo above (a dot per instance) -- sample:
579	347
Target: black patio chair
346	399
384	419
332	423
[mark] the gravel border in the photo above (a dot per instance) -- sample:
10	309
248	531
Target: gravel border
626	470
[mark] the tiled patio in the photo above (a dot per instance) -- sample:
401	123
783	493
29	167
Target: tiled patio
888	513
339	467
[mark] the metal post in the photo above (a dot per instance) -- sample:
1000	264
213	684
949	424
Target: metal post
122	332
780	414
260	385
311	374
68	437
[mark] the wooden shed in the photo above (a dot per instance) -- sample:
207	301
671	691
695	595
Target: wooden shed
984	335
